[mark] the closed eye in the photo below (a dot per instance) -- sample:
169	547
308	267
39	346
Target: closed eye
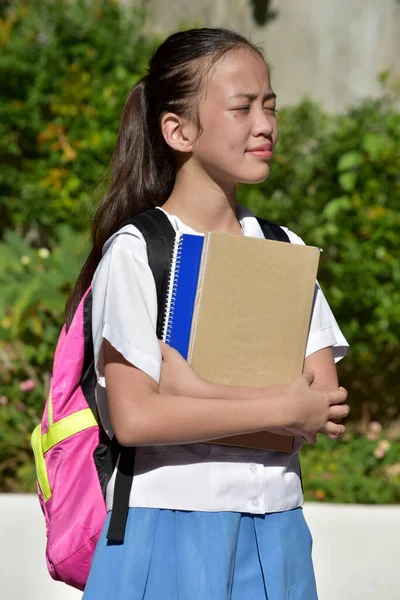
272	109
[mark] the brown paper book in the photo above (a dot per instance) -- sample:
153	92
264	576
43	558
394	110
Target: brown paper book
251	318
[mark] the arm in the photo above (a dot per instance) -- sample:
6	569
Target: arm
177	377
140	415
323	365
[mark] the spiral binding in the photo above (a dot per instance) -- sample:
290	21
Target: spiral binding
172	289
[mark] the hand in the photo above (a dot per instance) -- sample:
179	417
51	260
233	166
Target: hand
310	411
177	376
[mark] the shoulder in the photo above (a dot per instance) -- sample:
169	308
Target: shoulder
125	251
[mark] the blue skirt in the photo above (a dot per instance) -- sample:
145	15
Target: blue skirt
179	555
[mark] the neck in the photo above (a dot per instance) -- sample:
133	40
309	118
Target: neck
202	204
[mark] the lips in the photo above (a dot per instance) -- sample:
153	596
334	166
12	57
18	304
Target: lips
262	151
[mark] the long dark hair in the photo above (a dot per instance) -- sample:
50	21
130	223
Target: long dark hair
143	171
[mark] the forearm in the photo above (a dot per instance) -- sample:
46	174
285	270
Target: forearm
207	389
166	420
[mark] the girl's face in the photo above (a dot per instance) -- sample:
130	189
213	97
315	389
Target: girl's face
238	120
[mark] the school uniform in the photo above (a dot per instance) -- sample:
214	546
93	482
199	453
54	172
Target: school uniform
206	522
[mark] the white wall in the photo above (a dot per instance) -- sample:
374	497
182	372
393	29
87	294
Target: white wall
328	50
23	572
356	552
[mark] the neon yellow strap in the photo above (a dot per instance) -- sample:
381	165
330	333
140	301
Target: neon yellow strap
41	471
63	429
56	433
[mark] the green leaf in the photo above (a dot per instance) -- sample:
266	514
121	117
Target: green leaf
349	160
374	144
348	180
337	206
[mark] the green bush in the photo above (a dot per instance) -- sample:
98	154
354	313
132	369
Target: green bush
66	69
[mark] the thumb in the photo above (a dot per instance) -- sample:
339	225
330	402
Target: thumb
309	376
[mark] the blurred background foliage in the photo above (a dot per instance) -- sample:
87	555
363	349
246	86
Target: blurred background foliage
66	69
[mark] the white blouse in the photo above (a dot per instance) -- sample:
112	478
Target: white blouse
199	476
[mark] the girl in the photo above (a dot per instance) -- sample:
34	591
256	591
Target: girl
206	522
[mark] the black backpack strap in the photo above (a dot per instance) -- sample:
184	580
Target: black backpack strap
272	231
160	238
122	490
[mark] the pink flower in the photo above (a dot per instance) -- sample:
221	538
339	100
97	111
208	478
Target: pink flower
3	400
371	435
327	475
375	427
21	407
379	452
27	386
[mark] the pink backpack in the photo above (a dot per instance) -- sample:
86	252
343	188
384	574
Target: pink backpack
74	457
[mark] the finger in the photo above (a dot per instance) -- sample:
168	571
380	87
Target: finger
335	436
338	411
337	397
309	376
334	430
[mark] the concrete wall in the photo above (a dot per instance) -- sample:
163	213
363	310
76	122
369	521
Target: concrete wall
356	552
328	50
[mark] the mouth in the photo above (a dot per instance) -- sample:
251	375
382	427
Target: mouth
263	151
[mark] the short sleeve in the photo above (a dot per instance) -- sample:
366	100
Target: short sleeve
124	310
324	331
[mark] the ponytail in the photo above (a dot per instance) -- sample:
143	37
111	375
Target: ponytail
139	158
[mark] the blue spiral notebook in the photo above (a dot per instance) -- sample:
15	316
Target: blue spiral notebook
182	289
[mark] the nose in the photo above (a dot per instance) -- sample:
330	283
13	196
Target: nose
265	123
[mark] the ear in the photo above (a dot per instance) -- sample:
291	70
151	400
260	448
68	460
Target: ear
178	132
